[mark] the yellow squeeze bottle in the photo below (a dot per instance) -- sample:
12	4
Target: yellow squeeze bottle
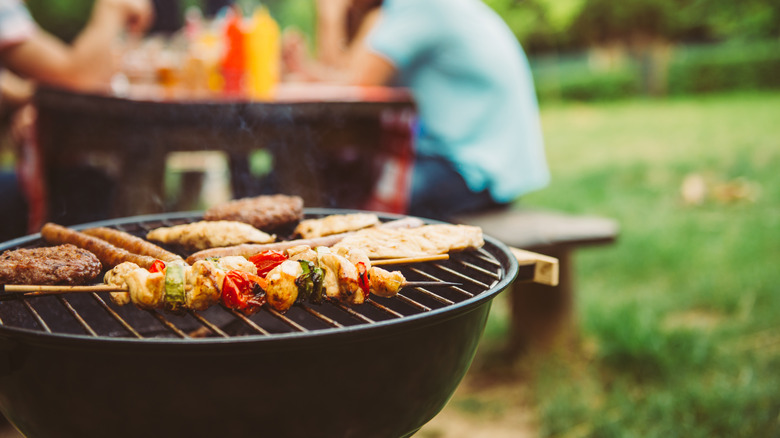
263	54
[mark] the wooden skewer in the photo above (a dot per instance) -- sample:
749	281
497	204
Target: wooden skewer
407	260
17	291
27	288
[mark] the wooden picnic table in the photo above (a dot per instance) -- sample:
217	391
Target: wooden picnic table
329	143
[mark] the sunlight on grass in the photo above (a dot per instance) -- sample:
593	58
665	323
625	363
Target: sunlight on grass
672	310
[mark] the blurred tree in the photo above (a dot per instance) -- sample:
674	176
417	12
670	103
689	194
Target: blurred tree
742	20
288	13
65	18
540	25
604	21
62	18
562	25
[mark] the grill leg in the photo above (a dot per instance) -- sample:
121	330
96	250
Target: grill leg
542	316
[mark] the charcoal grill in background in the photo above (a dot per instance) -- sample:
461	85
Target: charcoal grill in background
78	365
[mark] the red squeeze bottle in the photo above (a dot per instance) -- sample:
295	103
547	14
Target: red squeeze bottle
234	61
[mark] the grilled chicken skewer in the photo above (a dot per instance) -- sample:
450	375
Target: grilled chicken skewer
175	285
282	279
301	274
346	276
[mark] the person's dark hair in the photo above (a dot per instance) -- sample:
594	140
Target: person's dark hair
356	15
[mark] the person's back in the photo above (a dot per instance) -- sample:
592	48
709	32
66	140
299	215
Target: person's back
473	88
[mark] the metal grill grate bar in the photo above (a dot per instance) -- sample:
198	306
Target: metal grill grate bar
413	303
467	277
37	316
355	314
434	278
169	325
436	297
321	317
249	322
487	258
492	274
116	316
78	317
384	308
287	320
206	323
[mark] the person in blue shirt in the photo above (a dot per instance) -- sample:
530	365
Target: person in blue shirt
479	144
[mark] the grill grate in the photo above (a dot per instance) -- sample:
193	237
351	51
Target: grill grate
95	315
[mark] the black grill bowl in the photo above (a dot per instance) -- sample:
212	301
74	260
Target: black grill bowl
385	379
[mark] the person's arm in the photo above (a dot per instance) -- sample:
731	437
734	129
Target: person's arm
336	63
14	91
87	63
333	49
331	34
370	69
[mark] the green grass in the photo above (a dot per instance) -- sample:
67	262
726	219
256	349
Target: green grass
680	319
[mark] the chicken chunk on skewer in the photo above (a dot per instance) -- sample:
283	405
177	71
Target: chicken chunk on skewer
302	252
238	263
282	289
146	288
116	277
385	283
354	255
341	280
203	285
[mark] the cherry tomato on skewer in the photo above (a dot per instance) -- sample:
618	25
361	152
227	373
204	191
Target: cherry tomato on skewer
243	292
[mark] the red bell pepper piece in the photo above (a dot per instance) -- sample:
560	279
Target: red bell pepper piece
363	278
157	266
267	260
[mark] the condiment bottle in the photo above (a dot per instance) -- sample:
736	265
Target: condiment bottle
263	53
234	60
210	48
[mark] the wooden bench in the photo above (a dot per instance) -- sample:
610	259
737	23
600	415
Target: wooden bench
542	314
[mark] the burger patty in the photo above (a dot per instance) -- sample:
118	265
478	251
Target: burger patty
63	264
267	212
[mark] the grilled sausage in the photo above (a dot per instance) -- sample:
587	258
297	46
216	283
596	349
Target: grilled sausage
131	243
108	254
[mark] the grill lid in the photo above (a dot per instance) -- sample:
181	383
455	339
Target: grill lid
94	317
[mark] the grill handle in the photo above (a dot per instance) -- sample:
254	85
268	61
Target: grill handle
546	269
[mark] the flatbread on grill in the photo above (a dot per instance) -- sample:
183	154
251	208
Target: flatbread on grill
382	243
335	224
